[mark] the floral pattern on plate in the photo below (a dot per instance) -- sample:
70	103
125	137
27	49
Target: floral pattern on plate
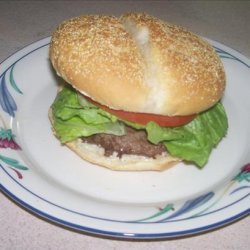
204	205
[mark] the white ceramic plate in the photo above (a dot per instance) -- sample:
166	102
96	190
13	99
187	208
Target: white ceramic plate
52	182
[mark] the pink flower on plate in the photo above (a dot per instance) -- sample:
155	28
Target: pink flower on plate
246	168
7	139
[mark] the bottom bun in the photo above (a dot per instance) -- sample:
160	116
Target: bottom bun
95	154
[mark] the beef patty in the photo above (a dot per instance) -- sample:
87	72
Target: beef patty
133	142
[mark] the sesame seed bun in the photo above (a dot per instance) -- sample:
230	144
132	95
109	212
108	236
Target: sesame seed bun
138	63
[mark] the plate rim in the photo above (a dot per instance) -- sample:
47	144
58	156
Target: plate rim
138	236
45	42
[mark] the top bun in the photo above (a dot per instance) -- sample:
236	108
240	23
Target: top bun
138	63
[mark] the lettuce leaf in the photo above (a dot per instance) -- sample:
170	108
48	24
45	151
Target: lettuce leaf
194	141
74	117
72	120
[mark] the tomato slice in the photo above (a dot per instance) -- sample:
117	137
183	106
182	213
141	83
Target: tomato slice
144	118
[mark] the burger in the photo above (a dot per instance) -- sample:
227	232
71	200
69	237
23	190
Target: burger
138	93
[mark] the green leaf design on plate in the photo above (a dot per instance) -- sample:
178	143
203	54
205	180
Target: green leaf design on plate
6	134
12	81
167	208
12	162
